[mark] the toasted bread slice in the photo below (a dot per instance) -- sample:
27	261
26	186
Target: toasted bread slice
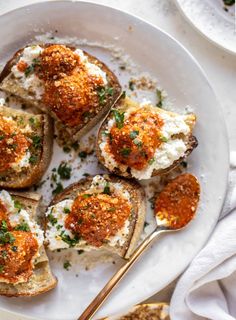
125	238
174	133
147	311
34	133
66	104
42	279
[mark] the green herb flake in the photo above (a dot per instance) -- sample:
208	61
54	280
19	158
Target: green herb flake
138	143
107	189
37	142
2	137
123	95
1	268
33	159
151	161
131	85
4	226
119	118
52	219
160	98
18	205
64	171
67	239
59	188
67	265
125	152
66	210
133	134
112	209
163	139
4	254
103	93
31	120
23	227
86	195
82	154
6	237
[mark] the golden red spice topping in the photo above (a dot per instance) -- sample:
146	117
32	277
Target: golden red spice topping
72	98
13	144
56	61
70	92
135	143
178	201
17	248
97	217
16	257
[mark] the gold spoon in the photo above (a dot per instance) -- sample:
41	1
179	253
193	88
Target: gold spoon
175	207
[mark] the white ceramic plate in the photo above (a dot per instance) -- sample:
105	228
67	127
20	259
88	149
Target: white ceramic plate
213	19
157	53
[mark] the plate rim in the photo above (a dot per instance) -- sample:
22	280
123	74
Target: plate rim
194	61
195	27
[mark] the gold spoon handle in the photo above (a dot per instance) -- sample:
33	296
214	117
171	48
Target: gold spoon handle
104	293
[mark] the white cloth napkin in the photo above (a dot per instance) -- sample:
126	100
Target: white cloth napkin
207	289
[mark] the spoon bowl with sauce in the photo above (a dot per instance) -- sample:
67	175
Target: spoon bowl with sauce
175	208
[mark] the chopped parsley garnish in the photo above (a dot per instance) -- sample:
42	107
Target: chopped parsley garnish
6	237
123	95
4	226
131	85
151	161
59	188
82	154
66	210
31	120
103	93
1	268
138	143
52	219
18	205
2	137
160	98
184	164
64	171
163	139
86	195
146	224
119	118
106	189
4	254
229	2
133	134
67	265
125	152
30	69
33	159
112	209
66	149
67	239
36	142
23	227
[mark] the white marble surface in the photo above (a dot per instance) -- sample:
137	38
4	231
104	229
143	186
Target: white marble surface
219	66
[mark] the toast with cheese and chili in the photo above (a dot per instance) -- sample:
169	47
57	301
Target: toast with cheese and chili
103	212
145	311
24	266
69	84
25	147
139	140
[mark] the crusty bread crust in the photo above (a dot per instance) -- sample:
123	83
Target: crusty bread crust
138	209
190	141
9	84
35	172
42	279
